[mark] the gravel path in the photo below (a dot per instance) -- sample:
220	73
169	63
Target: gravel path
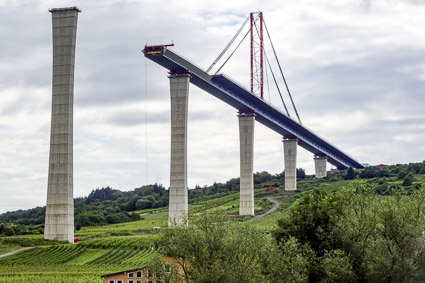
271	210
15	251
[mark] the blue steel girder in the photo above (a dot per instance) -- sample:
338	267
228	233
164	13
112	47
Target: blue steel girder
240	98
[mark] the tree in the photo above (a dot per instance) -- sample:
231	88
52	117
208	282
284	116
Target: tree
311	220
408	180
300	173
10	230
396	253
351	174
143	204
287	261
401	174
337	267
359	236
211	250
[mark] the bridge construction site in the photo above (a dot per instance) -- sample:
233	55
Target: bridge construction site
249	104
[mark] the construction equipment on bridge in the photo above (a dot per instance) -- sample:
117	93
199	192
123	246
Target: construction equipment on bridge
155	49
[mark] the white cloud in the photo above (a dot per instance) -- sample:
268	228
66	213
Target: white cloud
355	68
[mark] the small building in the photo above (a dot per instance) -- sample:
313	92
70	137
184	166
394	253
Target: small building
137	275
145	274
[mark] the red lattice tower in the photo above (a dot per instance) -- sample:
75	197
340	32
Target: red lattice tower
257	51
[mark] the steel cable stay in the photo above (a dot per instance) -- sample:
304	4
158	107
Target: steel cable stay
268	85
277	86
278	63
228	45
232	53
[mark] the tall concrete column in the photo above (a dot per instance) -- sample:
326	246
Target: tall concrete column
320	166
178	199
246	139
290	156
59	222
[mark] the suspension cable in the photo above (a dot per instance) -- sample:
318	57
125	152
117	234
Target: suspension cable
287	88
278	89
232	53
228	45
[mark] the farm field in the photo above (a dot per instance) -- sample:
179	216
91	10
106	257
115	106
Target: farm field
83	262
116	247
109	248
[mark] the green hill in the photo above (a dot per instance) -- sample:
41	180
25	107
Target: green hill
107	248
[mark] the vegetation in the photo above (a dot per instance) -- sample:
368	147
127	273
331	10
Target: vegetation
363	226
365	236
84	262
349	235
210	251
109	206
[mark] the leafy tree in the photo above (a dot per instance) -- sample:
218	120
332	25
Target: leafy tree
288	261
337	267
401	174
312	220
143	204
210	250
262	177
10	230
359	236
397	250
375	171
300	173
351	174
408	180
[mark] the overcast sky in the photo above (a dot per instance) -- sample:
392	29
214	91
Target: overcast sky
356	70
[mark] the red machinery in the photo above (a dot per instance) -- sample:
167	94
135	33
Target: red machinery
155	49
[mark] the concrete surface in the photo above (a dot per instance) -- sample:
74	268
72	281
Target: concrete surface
178	201
246	140
290	156
320	166
59	223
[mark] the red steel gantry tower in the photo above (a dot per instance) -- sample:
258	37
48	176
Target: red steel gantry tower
257	51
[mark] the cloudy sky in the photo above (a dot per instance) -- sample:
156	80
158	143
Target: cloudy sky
356	70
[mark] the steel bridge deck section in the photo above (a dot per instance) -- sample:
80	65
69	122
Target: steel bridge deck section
240	98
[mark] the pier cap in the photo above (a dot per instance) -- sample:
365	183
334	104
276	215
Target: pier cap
64	9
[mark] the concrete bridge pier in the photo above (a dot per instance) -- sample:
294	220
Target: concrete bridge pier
246	140
178	199
320	166
290	156
59	221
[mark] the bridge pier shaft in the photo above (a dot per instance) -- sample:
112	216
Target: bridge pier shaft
59	220
320	166
178	198
290	157
246	140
